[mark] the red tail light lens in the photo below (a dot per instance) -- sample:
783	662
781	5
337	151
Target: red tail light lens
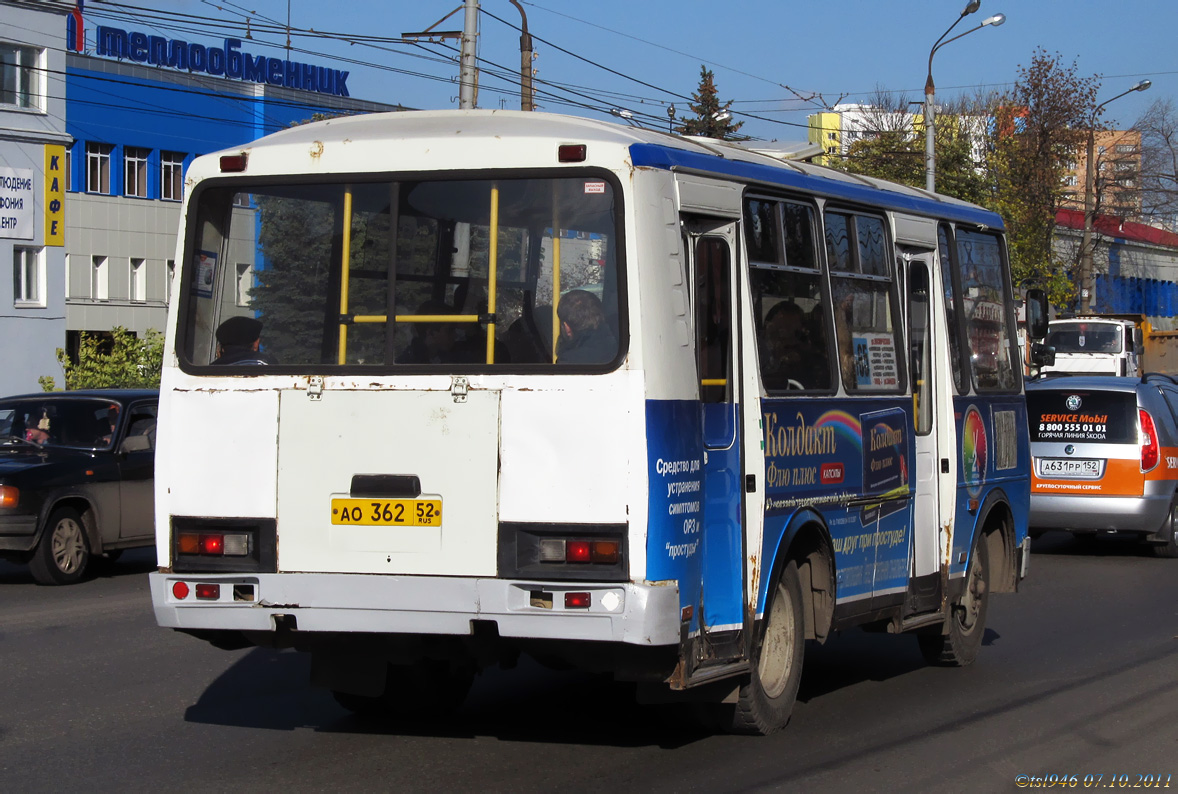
212	544
1149	441
180	590
577	601
208	592
578	551
571	153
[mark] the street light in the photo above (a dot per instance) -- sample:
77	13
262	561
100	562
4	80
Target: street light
1087	278
930	155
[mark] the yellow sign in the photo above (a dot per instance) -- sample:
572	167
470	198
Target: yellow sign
54	195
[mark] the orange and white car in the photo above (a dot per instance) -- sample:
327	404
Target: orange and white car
1105	457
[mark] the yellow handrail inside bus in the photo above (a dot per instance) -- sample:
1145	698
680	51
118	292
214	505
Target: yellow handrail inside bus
555	271
492	270
713	382
345	265
417	318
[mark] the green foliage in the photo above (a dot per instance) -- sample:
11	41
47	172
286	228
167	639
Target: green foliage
893	149
1038	129
707	108
115	361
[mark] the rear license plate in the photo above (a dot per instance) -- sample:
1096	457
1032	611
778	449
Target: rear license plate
1069	468
387	512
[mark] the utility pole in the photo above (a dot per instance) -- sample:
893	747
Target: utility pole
525	61
468	75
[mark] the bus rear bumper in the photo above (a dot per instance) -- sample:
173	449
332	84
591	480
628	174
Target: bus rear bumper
639	614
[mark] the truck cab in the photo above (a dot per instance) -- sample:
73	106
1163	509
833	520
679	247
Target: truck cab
1095	346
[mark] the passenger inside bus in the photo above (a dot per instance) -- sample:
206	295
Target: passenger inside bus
239	341
437	343
793	353
585	337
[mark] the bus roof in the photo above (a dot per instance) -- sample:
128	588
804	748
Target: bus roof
446	140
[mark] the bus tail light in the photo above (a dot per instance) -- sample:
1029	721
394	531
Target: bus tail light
1149	441
180	590
563	552
9	496
214	544
559	550
577	601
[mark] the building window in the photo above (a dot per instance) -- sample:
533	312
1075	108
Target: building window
1126	148
135	162
1070	180
138	281
69	169
171	176
171	265
19	81
98	167
28	277
245	282
99	279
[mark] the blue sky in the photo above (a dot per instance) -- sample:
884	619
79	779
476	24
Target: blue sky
778	60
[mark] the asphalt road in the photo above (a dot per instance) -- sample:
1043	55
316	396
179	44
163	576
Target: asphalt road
1079	677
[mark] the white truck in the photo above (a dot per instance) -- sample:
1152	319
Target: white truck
1095	346
1110	345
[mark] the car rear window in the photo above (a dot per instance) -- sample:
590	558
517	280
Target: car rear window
1083	416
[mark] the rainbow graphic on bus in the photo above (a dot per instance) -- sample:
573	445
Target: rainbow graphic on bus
974	448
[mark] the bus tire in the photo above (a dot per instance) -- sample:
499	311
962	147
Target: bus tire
419	691
959	645
767	696
1168	547
63	551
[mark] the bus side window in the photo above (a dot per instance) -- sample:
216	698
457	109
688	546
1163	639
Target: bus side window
863	294
713	324
920	365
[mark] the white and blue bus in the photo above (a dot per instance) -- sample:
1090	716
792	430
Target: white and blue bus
442	388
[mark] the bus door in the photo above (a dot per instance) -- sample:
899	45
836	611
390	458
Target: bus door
932	409
712	244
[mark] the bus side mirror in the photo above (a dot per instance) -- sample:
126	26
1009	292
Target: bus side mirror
1042	355
1037	313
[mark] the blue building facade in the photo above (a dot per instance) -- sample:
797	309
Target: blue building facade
139	108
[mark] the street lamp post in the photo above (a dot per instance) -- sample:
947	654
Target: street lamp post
930	155
1087	277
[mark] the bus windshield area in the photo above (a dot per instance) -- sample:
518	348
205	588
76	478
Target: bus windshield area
491	273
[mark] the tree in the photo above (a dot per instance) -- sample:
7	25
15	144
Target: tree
889	144
1159	162
712	119
1038	129
115	361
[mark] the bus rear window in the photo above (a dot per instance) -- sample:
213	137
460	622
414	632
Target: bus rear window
429	274
1077	416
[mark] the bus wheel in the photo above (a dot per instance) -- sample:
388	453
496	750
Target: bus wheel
1169	548
767	697
63	552
418	691
967	617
